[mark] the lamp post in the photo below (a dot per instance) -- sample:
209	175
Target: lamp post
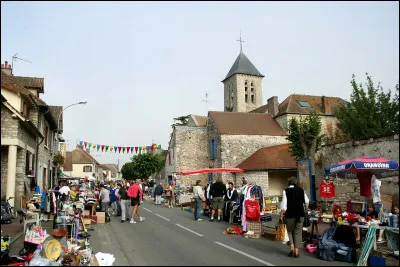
58	127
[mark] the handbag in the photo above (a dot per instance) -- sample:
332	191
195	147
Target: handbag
306	222
280	231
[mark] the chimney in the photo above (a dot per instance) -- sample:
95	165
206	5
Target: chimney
326	107
272	105
6	68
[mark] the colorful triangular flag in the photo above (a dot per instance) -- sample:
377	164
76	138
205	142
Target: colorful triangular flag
119	149
159	146
123	149
136	149
90	144
98	147
128	148
115	149
80	143
107	148
111	148
102	148
85	144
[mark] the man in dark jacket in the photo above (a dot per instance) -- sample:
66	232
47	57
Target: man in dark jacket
158	191
217	191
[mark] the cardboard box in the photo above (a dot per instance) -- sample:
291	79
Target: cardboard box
101	217
94	219
87	221
87	213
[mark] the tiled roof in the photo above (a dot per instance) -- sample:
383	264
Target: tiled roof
10	83
200	120
273	157
243	65
261	109
80	156
56	111
68	161
241	123
32	82
291	105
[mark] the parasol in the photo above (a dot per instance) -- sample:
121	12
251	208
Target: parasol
363	169
200	171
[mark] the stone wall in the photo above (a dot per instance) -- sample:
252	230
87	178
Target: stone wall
387	147
4	169
9	125
191	152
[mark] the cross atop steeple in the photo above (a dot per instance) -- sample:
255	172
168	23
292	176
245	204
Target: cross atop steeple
240	40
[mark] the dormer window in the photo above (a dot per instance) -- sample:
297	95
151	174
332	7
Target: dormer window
304	104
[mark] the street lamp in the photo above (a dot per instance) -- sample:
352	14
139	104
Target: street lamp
58	123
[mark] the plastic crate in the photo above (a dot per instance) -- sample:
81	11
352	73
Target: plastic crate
376	261
350	257
256	227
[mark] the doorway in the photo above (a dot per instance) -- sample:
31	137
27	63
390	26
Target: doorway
44	178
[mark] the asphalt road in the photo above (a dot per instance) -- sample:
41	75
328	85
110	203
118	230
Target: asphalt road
172	237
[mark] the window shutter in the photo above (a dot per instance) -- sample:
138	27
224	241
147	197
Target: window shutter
214	149
210	150
210	178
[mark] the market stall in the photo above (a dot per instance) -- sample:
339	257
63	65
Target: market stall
367	170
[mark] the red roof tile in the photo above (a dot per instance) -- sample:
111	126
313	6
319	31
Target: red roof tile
273	157
241	123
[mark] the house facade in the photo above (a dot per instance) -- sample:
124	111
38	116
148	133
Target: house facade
111	171
232	137
187	150
79	163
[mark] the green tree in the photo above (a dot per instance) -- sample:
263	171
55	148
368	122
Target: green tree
142	166
371	112
305	136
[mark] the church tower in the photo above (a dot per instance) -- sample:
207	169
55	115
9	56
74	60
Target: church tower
242	85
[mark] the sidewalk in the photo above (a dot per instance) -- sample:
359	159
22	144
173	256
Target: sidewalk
14	230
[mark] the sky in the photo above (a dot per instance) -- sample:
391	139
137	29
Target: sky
141	64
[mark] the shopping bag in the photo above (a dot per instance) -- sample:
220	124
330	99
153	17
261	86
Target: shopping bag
286	238
280	232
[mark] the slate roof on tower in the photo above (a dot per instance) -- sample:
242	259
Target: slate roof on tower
241	123
243	65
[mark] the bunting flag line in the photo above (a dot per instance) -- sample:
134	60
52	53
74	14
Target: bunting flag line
128	149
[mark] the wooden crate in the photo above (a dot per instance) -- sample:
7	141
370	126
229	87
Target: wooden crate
94	219
101	217
255	236
256	227
87	221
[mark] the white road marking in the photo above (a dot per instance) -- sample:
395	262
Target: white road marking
245	254
162	217
187	229
148	210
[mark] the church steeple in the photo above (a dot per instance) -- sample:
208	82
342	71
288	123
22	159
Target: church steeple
242	85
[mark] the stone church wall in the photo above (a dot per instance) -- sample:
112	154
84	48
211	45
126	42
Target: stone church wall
387	147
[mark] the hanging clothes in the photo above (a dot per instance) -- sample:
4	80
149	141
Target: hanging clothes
43	200
252	210
327	190
256	191
246	195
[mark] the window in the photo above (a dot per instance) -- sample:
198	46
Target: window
252	98
245	98
245	89
252	94
46	136
212	149
27	162
245	83
87	168
252	83
304	104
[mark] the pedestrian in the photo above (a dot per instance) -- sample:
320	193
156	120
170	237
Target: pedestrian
217	192
124	201
104	197
169	193
294	201
136	194
158	191
230	198
113	198
198	195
